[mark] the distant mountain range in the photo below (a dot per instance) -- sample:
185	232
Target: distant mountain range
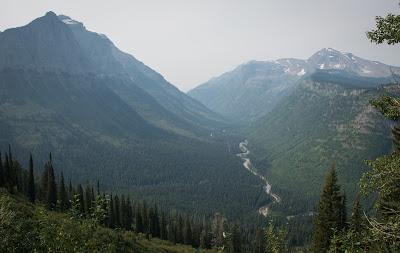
253	89
105	115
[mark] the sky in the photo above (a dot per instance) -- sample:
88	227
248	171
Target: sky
189	42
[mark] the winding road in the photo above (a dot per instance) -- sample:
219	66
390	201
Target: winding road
264	210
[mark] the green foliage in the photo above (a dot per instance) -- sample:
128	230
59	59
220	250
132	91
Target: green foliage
324	122
387	30
275	240
28	228
330	214
31	181
388	106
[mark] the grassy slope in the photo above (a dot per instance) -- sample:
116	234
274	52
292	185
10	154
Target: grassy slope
25	227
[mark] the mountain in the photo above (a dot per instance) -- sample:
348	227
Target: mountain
327	119
105	115
253	89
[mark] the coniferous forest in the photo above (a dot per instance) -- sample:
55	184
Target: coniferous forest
100	153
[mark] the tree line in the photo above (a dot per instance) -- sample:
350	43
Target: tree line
119	211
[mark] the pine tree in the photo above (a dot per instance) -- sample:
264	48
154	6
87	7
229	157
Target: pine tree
274	240
330	213
71	193
145	218
139	220
81	200
2	179
63	197
9	174
343	213
51	188
122	211
187	234
111	213
88	200
235	244
163	227
356	219
117	213
44	182
31	181
98	187
179	230
129	214
259	246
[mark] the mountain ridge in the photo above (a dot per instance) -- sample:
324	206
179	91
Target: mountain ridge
264	83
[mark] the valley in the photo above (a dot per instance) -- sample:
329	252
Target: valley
264	210
283	155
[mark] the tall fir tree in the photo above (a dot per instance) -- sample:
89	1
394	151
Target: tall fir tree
51	187
31	182
63	197
187	233
81	199
2	179
139	220
330	213
117	212
111	211
163	226
88	200
259	246
44	182
235	242
71	193
356	219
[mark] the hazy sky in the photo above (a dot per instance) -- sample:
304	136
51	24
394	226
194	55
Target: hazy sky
189	41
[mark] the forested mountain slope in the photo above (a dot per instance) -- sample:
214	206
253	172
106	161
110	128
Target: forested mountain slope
327	119
105	115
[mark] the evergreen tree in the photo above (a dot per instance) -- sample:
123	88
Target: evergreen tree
122	211
235	242
356	219
111	213
9	174
330	213
31	181
88	200
274	240
187	234
163	227
117	213
129	211
98	187
145	218
71	193
44	182
343	213
81	200
139	220
2	179
259	246
63	197
179	230
51	188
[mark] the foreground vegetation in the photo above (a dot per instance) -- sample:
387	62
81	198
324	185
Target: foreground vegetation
25	227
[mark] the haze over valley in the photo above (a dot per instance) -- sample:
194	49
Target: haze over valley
277	155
